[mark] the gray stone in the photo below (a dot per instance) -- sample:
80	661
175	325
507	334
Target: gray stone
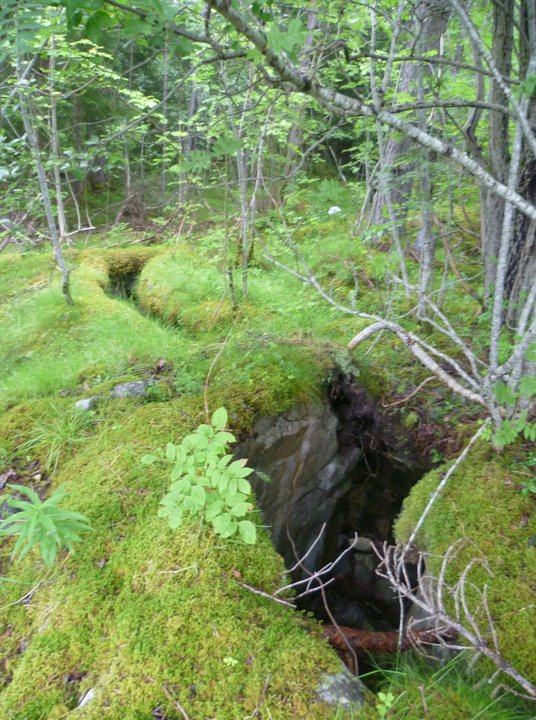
342	689
86	697
134	389
87	403
308	475
364	545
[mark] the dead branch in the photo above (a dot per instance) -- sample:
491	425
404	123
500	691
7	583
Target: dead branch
433	497
363	641
470	623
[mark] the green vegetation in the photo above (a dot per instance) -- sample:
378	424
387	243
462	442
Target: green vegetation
130	611
482	509
414	688
43	523
140	607
206	482
232	196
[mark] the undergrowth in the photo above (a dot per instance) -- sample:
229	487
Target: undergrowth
143	614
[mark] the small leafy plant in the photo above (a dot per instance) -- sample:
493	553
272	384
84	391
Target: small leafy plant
384	704
207	483
42	523
528	487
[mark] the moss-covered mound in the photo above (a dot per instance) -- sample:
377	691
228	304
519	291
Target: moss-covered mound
483	512
145	617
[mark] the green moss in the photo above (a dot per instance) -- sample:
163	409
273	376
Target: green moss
142	613
141	607
482	509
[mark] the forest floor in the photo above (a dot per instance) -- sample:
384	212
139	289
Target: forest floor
150	620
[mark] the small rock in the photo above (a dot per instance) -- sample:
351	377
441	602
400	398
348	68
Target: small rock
6	510
86	697
135	389
87	403
7	477
341	689
364	545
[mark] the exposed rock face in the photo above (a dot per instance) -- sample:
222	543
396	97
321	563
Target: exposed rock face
345	463
308	474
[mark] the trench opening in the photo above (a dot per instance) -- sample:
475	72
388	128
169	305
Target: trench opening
122	286
346	465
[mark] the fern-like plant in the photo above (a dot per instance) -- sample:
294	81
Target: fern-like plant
43	523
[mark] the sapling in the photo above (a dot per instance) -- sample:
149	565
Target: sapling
207	483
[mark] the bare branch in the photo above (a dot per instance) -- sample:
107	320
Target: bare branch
443	482
463	621
415	345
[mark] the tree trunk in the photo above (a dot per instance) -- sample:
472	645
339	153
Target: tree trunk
521	273
295	135
55	143
493	206
431	22
33	142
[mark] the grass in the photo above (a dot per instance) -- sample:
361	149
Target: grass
447	691
60	431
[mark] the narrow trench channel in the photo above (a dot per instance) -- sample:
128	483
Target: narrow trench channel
347	466
122	286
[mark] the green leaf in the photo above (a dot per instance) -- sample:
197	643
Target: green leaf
199	495
286	40
223	439
96	24
239	470
29	492
180	486
175	518
227	145
235	498
213	510
148	459
225	460
504	394
244	486
197	161
527	386
225	525
248	532
240	509
219	418
171	451
529	432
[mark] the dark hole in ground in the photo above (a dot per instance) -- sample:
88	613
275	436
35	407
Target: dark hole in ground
123	285
347	464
